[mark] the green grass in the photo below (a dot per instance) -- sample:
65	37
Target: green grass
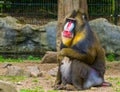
2	59
116	89
34	80
116	83
113	79
36	89
13	78
52	91
29	90
47	78
108	67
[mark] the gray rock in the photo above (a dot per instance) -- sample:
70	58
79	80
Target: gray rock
14	71
6	64
53	71
49	57
34	71
10	22
17	71
7	87
15	37
51	30
108	34
27	31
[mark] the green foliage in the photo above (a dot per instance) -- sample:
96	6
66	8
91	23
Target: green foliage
110	57
46	8
101	7
1	5
31	1
1	8
2	59
33	58
8	4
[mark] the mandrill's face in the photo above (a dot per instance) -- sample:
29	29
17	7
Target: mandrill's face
72	25
68	31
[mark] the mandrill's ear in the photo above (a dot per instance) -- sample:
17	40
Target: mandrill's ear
82	12
73	14
84	16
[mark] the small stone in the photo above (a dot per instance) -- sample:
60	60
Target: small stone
6	64
53	71
34	71
19	83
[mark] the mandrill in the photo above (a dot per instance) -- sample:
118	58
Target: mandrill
81	45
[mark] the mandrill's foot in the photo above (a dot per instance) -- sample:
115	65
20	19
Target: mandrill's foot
59	87
67	87
106	84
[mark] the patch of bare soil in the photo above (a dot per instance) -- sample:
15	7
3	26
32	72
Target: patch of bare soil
46	81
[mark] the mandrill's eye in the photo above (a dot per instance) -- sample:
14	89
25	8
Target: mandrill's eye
68	27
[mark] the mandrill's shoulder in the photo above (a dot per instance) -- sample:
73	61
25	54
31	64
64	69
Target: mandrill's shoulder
83	41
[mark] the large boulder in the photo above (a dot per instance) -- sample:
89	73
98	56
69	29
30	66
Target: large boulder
7	87
109	35
50	57
16	37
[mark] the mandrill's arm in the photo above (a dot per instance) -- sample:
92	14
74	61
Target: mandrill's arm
73	54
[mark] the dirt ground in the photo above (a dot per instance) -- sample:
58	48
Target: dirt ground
46	81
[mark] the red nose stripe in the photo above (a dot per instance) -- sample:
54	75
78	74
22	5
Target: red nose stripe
67	33
69	24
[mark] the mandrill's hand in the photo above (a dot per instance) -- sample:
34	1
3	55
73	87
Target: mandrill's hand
59	56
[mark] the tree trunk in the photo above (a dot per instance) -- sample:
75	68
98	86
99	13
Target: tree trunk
64	8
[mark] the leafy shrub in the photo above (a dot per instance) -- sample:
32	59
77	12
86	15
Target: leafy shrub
110	57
